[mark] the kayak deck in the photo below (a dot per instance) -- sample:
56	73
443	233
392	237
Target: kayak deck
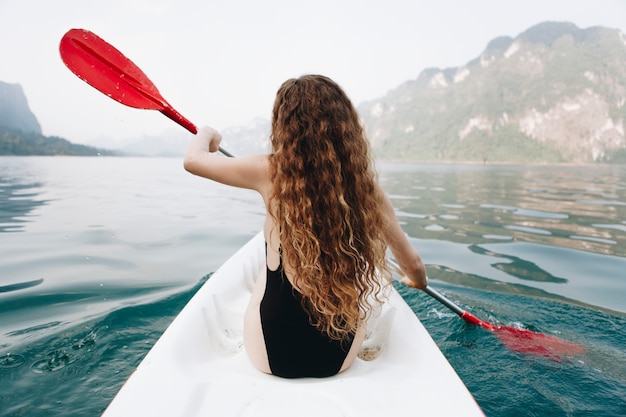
199	367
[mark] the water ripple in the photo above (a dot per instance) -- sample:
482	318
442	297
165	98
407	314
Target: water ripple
20	285
527	229
527	212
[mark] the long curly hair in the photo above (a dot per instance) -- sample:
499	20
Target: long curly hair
326	204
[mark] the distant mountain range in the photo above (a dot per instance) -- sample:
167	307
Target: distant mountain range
249	139
17	142
20	132
554	93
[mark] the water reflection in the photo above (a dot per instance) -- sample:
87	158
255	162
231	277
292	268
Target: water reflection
556	231
576	207
20	285
18	199
519	267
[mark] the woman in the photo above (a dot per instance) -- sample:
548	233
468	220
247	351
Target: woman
327	229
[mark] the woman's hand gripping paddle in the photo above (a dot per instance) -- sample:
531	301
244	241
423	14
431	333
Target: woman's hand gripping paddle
518	340
106	69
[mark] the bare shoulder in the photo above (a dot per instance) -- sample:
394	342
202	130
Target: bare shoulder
256	171
251	171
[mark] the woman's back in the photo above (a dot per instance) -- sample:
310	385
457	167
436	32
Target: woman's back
325	202
295	348
327	229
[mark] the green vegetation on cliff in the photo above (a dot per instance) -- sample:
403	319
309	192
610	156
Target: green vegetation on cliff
16	142
555	93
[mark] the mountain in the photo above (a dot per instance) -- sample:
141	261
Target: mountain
554	93
252	138
20	132
170	143
14	110
18	142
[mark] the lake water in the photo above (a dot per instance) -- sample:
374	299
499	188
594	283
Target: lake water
98	255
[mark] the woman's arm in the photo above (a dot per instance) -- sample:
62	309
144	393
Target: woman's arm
407	257
250	172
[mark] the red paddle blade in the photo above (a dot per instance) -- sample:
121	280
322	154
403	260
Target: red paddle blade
518	340
527	342
537	344
106	69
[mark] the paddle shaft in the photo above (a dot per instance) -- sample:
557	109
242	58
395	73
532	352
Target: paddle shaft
443	300
465	315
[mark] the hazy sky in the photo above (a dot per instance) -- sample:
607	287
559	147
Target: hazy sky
220	62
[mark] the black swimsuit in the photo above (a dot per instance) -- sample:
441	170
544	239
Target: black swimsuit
295	348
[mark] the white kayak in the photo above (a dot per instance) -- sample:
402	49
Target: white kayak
199	368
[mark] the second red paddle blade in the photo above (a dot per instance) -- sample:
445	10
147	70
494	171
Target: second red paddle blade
537	344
